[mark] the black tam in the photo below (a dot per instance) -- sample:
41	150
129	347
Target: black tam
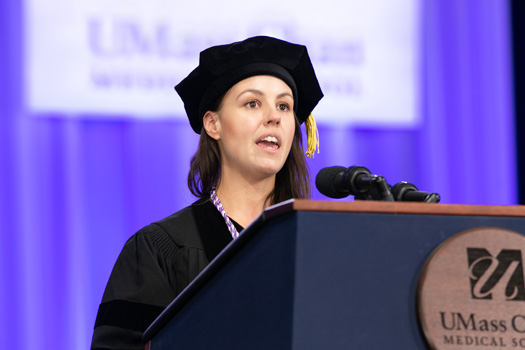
221	67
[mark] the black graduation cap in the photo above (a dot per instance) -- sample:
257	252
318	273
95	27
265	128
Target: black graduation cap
221	67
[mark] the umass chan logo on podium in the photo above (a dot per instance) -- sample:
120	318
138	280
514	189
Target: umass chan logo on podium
471	292
496	277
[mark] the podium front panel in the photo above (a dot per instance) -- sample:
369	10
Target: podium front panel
320	280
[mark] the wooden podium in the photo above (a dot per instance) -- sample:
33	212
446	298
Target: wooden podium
320	275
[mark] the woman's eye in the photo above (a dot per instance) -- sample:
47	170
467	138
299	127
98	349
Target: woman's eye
251	104
283	107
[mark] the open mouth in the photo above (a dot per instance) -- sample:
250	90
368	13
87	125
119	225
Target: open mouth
269	142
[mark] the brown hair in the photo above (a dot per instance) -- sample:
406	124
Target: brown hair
292	181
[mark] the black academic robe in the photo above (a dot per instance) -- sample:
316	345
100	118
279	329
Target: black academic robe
155	265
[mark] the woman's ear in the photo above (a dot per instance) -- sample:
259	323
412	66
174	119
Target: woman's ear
211	124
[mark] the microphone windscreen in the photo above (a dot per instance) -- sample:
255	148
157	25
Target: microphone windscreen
400	189
326	179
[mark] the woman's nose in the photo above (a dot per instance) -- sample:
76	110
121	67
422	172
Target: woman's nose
273	117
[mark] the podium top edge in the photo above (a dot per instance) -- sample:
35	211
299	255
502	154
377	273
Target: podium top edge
395	208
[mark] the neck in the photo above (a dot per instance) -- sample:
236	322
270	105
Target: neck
242	200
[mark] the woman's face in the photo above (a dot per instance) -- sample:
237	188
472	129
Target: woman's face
254	127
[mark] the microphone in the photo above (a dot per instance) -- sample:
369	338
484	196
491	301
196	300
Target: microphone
404	191
339	182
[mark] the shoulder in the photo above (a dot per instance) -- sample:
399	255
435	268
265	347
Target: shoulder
181	227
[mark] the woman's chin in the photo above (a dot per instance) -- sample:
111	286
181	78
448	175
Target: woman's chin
269	169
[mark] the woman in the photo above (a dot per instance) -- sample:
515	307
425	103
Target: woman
247	101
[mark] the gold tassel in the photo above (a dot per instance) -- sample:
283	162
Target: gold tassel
313	136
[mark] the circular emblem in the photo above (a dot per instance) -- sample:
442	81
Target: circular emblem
471	292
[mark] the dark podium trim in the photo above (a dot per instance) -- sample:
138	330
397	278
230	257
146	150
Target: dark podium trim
321	206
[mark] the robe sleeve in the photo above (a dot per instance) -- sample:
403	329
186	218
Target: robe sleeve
150	271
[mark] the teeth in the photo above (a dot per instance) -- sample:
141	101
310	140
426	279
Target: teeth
270	139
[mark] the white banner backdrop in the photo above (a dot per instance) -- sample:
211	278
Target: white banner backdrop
121	58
